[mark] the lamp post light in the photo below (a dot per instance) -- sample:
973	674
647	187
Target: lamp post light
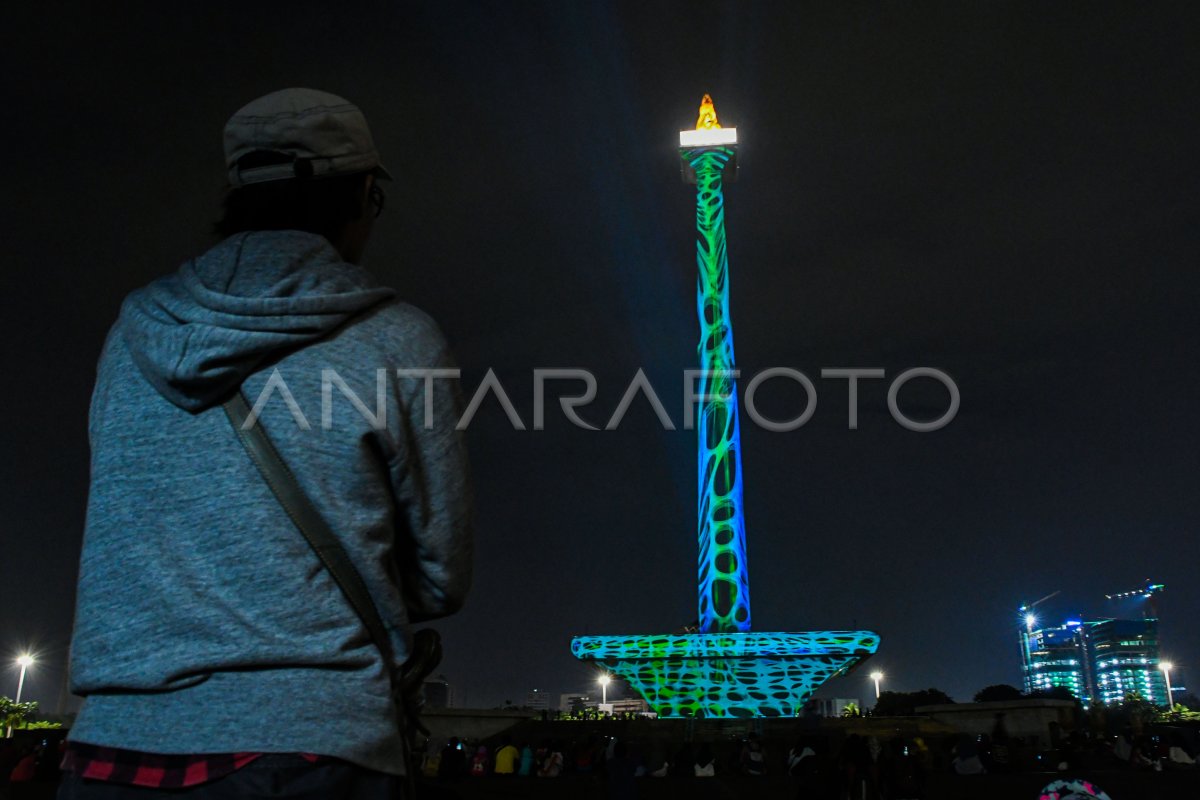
604	681
1166	666
24	661
877	677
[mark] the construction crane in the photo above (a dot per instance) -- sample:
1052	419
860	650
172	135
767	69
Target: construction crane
1146	592
1027	610
1026	634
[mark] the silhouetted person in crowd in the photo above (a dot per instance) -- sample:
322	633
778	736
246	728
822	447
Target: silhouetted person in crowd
528	762
682	764
901	775
874	755
26	767
853	763
587	755
966	756
480	762
753	759
800	751
1123	745
705	764
453	764
999	747
809	765
1178	754
10	754
552	764
506	758
657	763
621	769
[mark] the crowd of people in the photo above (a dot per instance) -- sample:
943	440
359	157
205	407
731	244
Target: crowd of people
28	766
860	761
858	766
595	754
1149	750
820	768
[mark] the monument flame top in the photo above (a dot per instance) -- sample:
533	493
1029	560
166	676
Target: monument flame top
709	132
708	115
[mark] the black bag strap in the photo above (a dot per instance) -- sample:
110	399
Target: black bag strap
427	647
316	530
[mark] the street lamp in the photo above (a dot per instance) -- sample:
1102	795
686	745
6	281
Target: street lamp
604	681
877	677
24	660
1165	666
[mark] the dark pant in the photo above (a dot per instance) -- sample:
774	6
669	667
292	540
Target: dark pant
271	775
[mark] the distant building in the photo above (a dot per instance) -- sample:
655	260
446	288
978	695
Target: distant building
630	705
1056	657
438	692
537	700
831	706
1099	661
1124	658
568	701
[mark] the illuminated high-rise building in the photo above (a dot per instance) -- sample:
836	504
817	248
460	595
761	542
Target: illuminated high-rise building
1056	657
1099	660
1123	656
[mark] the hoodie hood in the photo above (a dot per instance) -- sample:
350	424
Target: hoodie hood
196	334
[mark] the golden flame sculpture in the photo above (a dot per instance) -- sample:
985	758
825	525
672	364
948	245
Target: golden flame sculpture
709	132
708	115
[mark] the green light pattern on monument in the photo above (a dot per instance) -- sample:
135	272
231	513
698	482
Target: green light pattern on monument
725	670
728	675
724	581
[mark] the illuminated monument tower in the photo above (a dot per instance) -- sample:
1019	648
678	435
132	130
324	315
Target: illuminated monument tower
724	670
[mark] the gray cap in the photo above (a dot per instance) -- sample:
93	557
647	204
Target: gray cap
321	134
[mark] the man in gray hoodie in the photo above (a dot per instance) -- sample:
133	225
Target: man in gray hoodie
215	653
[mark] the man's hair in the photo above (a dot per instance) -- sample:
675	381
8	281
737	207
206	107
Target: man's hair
317	205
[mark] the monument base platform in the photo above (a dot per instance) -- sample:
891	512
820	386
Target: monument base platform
728	674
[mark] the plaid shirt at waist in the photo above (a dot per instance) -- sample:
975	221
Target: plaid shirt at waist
154	770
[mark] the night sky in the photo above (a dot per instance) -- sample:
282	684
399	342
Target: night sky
1007	193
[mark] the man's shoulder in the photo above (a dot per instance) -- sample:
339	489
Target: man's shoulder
399	311
401	329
